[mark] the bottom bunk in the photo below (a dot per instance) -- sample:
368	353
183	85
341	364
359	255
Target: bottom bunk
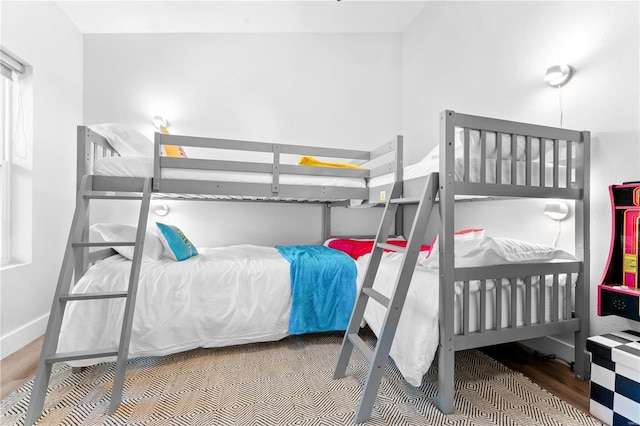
241	294
220	297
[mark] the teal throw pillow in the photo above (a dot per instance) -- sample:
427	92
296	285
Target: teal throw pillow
175	243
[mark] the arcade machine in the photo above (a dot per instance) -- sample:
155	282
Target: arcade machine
619	290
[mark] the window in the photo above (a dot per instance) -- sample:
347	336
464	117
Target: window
13	150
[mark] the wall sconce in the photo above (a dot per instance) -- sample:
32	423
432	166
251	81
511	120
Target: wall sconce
161	209
557	210
558	75
159	122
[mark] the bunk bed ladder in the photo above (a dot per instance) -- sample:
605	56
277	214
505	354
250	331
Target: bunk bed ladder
377	357
74	252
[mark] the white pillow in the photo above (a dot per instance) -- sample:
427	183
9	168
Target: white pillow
463	235
496	251
115	232
126	140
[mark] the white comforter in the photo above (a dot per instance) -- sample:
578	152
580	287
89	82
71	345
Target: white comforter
241	294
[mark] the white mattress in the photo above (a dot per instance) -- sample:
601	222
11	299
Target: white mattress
143	167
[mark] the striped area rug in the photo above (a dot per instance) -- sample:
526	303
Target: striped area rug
287	383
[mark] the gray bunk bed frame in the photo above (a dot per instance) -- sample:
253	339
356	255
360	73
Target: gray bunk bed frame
568	165
78	257
574	163
571	158
386	158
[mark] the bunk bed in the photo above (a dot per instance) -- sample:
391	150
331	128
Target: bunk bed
474	159
565	154
548	163
243	316
473	290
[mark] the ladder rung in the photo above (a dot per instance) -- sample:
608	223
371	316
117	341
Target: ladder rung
104	244
104	196
93	296
392	247
361	346
377	296
71	356
408	200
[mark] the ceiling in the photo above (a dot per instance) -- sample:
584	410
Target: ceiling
240	16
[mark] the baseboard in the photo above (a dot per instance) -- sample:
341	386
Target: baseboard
21	337
549	345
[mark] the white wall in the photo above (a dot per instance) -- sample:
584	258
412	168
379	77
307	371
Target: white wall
40	34
335	90
489	58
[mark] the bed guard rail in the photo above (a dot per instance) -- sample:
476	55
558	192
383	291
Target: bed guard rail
386	158
510	159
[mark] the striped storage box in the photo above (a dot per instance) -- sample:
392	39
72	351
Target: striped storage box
615	377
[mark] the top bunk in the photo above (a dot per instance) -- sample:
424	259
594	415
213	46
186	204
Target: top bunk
117	159
482	158
548	162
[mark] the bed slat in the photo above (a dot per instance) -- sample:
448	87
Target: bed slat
483	306
568	297
466	147
498	158
275	183
556	162
542	301
514	302
527	301
483	156
498	315
569	170
528	161
514	159
543	146
555	304
465	308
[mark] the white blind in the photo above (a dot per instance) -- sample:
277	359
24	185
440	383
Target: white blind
9	64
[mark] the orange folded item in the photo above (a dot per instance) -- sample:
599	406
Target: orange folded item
310	161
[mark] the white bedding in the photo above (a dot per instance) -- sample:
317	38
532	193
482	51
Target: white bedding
224	296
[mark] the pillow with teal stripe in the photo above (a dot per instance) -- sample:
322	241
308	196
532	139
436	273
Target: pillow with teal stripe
175	243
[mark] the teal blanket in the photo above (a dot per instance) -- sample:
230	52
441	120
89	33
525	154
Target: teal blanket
323	288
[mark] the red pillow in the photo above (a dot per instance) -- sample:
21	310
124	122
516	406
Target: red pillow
357	248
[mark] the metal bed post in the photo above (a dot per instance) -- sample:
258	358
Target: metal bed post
446	355
83	160
583	253
326	222
399	172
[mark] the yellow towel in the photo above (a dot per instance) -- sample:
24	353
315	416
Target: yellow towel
310	161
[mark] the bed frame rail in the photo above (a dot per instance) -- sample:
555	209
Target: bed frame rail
547	161
533	284
374	163
387	158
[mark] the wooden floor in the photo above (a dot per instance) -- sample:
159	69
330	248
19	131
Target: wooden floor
554	376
